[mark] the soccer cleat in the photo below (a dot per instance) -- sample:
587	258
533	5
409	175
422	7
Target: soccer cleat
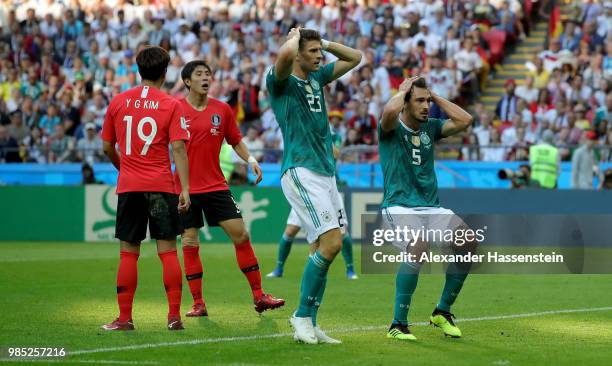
324	338
197	310
175	324
117	325
351	275
444	321
401	332
304	331
267	302
277	273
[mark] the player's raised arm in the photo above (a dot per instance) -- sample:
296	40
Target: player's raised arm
459	119
389	119
286	55
348	58
243	151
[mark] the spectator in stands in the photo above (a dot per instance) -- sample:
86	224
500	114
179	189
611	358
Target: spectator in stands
483	131
440	82
493	151
570	39
9	149
470	65
50	120
61	146
527	91
583	163
364	123
604	112
17	130
89	147
36	146
254	143
606	144
506	107
578	92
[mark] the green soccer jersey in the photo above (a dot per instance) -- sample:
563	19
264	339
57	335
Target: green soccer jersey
407	161
299	107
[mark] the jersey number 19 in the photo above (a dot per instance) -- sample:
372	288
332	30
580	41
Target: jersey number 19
148	139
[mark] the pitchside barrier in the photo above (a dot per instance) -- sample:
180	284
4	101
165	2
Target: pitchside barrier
87	213
450	173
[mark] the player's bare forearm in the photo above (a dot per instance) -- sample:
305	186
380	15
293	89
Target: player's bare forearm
389	119
348	58
179	152
460	120
242	151
109	150
286	55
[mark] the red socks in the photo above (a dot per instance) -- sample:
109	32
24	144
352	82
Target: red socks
173	282
193	271
247	261
127	279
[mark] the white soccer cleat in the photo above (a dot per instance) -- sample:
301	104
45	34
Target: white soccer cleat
304	331
324	338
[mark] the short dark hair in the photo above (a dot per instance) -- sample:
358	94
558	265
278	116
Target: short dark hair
418	83
308	35
190	67
152	62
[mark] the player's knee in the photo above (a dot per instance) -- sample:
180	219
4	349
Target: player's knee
190	237
291	231
190	241
241	237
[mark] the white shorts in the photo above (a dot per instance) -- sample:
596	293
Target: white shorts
315	200
293	219
424	218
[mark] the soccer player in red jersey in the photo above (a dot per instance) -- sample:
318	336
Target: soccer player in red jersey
209	122
142	122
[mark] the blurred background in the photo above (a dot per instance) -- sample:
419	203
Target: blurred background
530	72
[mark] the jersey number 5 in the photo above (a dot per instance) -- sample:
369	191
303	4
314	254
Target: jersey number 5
148	139
314	101
416	156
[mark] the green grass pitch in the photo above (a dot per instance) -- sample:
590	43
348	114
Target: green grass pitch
58	294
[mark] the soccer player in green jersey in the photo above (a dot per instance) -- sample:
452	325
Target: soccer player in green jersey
295	87
294	225
406	138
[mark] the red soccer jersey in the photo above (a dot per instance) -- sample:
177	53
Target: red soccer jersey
207	130
143	121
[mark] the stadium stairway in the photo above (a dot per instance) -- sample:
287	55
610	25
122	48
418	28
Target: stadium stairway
513	66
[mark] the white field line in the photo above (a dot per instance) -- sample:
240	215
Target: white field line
338	330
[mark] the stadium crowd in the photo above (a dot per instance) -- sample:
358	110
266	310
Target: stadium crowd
62	61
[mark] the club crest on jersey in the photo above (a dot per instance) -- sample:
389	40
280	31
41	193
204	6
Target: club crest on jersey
216	120
416	141
315	84
425	139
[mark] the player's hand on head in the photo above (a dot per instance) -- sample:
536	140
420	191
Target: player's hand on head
294	32
407	84
184	202
257	171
